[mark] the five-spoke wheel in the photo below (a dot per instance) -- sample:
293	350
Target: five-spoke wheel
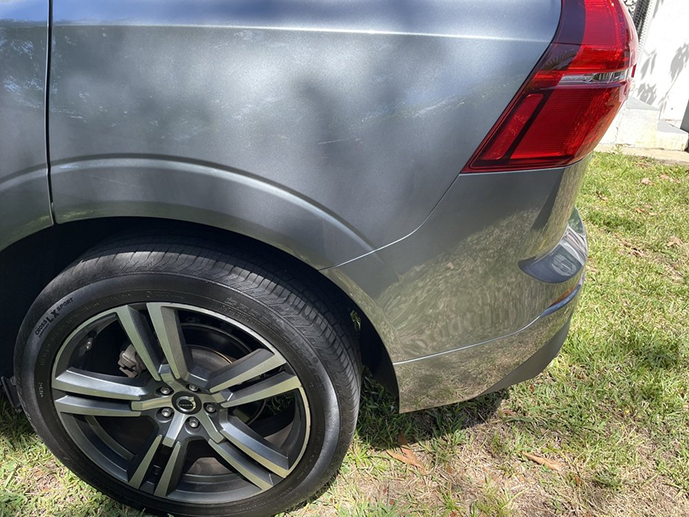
189	380
220	389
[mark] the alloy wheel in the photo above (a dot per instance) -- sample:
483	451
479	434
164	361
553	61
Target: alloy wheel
181	402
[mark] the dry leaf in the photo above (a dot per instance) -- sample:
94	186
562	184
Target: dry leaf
640	210
674	241
550	464
407	456
508	412
646	181
450	266
601	196
664	177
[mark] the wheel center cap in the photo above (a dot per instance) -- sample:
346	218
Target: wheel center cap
187	403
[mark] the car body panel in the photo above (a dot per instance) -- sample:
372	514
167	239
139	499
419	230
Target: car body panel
472	370
333	130
360	108
204	194
464	283
24	192
459	279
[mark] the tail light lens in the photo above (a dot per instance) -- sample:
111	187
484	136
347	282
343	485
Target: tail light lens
572	97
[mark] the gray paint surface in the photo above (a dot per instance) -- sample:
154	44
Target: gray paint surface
334	130
24	197
467	372
466	299
365	110
459	280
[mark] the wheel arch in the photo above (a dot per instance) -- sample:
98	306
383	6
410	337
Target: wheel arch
29	264
209	194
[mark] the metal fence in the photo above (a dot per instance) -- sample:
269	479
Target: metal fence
631	5
639	10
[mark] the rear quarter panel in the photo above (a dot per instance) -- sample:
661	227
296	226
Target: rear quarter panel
327	128
24	197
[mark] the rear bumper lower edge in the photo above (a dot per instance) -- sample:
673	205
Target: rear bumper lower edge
485	367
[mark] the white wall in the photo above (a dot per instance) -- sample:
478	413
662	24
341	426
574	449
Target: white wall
662	77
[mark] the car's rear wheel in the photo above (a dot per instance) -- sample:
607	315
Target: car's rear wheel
190	379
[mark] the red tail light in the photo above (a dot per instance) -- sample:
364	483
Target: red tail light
570	100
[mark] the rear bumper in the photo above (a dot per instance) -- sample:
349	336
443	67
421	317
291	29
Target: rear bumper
486	367
469	296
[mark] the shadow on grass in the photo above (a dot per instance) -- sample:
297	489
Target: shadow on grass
380	425
14	427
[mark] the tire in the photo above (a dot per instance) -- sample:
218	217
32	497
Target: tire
144	335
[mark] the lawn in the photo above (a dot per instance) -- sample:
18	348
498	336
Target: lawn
604	431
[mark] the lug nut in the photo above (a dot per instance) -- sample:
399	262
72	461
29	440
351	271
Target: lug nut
166	412
210	408
193	423
165	390
193	388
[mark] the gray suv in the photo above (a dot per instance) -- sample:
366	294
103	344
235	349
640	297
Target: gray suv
215	213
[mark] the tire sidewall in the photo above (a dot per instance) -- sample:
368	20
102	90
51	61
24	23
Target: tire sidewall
45	331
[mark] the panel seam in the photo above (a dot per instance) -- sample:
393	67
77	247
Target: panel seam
49	46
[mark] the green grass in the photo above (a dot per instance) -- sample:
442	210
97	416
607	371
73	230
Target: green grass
612	410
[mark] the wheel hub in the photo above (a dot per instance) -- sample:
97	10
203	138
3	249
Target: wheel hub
187	403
